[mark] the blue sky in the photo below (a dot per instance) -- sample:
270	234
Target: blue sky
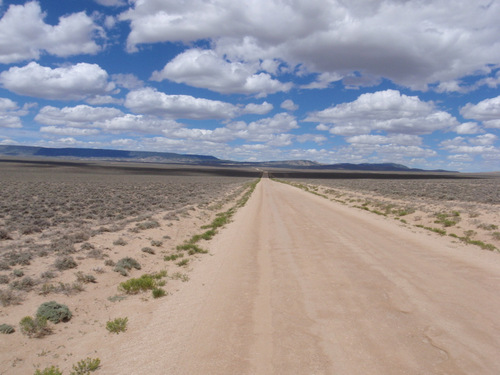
410	82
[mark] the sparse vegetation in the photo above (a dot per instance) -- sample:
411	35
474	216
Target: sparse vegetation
85	278
447	219
119	242
25	284
156	243
182	263
487	226
180	276
18	273
86	366
9	297
126	264
150	224
117	325
158	292
55	312
191	249
65	262
48	275
60	287
52	370
148	250
6	329
143	283
168	258
36	327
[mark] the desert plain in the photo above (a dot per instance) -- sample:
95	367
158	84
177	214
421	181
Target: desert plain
282	275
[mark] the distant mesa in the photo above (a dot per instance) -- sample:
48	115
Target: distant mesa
206	160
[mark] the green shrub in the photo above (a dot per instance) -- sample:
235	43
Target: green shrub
48	275
122	271
158	292
134	286
6	329
183	262
172	257
52	370
9	297
18	273
36	327
83	278
447	219
55	312
86	366
4	279
180	276
65	263
148	225
25	284
118	325
143	283
128	264
156	243
148	250
120	242
191	248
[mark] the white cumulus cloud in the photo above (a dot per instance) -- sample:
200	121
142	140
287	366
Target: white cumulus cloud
151	101
289	105
74	82
24	34
205	69
412	43
10	114
487	111
78	116
388	110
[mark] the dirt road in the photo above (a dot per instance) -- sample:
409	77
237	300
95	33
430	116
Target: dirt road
300	285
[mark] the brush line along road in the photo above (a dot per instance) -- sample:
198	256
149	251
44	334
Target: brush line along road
297	284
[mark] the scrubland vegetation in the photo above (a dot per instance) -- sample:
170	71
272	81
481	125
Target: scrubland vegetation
67	232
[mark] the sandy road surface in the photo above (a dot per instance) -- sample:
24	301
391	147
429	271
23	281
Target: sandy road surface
300	285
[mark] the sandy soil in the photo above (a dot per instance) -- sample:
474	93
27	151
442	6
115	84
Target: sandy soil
296	284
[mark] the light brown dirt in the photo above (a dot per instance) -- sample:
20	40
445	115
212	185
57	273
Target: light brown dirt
301	285
298	284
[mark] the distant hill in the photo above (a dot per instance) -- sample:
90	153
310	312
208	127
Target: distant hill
102	154
173	158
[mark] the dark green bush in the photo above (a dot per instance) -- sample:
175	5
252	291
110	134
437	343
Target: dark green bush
158	292
6	328
65	263
53	311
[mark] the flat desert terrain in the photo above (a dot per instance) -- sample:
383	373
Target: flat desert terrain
341	281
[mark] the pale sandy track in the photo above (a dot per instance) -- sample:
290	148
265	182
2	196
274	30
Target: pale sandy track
300	285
